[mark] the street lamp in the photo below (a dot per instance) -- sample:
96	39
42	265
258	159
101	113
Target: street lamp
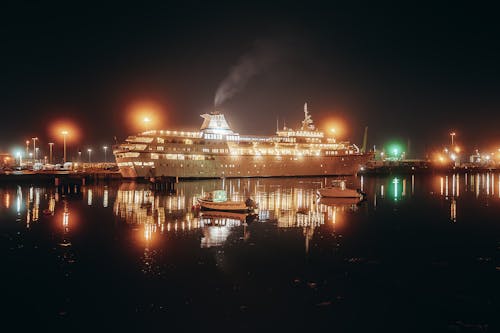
64	133
34	147
51	144
105	153
90	152
27	147
452	134
146	121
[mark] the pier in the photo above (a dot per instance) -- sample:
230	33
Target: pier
60	177
422	166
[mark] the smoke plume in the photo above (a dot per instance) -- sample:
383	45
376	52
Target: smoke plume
261	56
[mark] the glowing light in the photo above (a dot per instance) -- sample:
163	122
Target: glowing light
395	181
143	115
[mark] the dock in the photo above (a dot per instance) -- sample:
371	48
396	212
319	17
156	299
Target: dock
422	166
59	177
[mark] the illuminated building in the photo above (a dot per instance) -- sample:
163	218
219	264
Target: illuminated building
216	151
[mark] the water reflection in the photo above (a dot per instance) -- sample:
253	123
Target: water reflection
285	203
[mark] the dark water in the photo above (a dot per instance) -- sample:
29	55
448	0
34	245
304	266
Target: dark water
421	254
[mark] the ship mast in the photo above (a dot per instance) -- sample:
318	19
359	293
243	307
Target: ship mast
307	123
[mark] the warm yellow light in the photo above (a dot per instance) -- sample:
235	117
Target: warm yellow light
457	149
335	127
64	130
143	115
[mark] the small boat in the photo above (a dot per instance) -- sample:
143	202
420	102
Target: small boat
339	201
340	190
217	200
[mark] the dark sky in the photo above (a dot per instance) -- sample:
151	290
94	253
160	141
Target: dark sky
407	71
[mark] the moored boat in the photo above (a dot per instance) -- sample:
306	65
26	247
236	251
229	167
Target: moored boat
340	190
339	201
217	200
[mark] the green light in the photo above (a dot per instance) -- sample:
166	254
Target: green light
395	150
395	181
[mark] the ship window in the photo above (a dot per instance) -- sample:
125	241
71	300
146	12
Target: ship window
160	140
154	156
160	148
131	154
143	139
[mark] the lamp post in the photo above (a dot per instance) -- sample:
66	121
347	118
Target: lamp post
90	152
452	134
64	133
51	144
27	147
105	153
146	121
34	148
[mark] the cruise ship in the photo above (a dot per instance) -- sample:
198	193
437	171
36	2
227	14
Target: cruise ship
216	151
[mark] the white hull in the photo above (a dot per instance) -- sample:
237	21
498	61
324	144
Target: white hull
243	166
337	192
339	201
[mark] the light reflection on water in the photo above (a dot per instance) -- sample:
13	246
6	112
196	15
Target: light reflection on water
290	203
287	203
318	251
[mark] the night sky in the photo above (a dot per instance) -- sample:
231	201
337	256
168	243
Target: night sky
408	72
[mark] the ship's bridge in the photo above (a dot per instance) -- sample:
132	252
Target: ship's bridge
216	127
